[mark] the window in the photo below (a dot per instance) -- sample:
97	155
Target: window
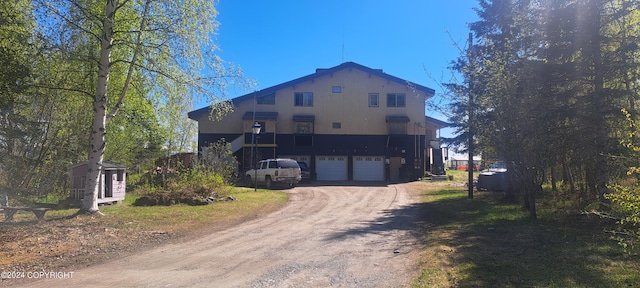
336	125
336	89
397	128
304	127
374	100
396	100
269	99
287	164
304	99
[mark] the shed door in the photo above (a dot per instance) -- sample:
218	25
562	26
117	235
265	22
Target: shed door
368	168
331	168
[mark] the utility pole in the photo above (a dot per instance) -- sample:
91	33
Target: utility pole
470	117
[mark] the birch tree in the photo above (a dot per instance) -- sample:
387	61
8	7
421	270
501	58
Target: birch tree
140	43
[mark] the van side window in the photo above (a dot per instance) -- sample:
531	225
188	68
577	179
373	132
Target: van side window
273	164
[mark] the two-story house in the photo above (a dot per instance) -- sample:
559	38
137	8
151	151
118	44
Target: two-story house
348	122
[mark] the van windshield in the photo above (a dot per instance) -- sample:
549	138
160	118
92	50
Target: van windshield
288	164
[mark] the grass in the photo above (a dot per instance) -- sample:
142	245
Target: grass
461	176
486	243
181	217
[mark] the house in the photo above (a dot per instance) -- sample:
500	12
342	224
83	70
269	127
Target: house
348	122
112	182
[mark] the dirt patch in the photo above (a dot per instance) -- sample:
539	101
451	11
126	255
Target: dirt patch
65	243
325	236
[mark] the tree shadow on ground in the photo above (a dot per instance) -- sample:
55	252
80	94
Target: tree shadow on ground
489	244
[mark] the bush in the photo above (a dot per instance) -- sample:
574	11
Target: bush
188	186
625	205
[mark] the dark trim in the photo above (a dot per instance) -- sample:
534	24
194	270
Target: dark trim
260	115
398	118
304	118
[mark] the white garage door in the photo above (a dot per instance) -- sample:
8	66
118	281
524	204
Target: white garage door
331	168
368	168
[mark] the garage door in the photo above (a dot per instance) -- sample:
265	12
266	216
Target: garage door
331	168
368	168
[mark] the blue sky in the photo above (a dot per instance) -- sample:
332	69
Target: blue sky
277	41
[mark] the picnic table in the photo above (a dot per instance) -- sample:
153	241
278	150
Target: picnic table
9	211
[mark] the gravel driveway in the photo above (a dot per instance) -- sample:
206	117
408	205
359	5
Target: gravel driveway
331	235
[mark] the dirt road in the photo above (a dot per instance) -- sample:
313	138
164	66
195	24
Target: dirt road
341	236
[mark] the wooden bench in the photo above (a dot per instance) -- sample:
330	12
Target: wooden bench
10	211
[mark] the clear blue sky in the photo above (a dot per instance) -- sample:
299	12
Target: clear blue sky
277	41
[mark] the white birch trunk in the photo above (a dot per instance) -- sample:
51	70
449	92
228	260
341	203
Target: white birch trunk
98	128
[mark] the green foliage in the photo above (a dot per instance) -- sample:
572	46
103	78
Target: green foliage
191	186
198	180
625	195
625	203
542	86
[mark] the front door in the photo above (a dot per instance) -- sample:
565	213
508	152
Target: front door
395	163
108	184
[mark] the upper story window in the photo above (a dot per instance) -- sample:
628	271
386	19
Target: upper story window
396	100
336	89
269	99
303	99
374	99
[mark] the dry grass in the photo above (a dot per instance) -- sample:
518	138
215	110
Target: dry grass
63	242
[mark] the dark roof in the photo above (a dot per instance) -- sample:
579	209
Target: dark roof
260	115
304	118
110	165
439	123
398	118
320	72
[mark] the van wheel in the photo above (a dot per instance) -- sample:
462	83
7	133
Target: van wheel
249	182
268	182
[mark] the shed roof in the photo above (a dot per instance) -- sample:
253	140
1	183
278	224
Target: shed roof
106	165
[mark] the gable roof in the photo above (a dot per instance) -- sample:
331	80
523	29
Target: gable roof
320	72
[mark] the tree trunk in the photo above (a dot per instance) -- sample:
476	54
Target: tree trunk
600	102
98	128
554	185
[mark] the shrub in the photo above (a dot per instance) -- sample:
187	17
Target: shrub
625	205
189	186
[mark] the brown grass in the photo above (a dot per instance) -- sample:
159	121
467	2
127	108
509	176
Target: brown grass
63	242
